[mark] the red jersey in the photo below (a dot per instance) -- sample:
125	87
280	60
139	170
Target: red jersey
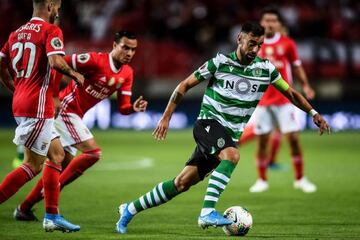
102	79
27	51
281	51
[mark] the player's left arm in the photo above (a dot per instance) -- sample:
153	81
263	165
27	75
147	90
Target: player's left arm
298	100
5	77
299	72
124	98
55	52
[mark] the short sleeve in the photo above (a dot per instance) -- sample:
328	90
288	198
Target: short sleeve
208	69
274	73
54	41
5	50
84	62
293	54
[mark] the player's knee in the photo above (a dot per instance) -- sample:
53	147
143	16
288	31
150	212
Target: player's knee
234	157
58	157
231	154
182	183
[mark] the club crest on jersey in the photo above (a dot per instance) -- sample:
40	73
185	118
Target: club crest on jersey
269	51
221	142
56	43
83	58
111	82
257	72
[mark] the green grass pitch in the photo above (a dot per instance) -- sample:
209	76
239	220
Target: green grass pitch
133	163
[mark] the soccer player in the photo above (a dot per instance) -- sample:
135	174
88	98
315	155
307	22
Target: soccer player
105	73
32	51
237	82
276	111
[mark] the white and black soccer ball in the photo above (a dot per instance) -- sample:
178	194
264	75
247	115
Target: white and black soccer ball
242	221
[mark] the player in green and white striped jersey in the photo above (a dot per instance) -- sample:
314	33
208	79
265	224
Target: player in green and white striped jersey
236	83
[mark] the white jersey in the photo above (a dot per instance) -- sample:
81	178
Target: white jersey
234	90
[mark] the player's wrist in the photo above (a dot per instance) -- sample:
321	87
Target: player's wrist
135	108
313	112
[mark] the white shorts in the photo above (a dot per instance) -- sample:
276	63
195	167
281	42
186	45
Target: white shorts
35	134
72	130
282	117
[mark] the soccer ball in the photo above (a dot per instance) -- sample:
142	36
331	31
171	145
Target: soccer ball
242	221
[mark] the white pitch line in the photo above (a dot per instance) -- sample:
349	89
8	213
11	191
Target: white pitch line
143	162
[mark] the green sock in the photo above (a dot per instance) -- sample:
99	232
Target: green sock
219	178
161	193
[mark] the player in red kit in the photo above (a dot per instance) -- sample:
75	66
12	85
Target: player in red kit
274	110
29	55
105	73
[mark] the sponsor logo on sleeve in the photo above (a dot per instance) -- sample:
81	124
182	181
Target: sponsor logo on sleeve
56	43
83	58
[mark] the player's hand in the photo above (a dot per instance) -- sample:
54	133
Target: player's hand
321	123
140	105
161	129
78	78
309	92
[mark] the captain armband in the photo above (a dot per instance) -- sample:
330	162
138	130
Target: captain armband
281	85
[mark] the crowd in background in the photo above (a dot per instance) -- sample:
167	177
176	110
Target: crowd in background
197	23
178	35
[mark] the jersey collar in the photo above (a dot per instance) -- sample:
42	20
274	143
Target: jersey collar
273	39
112	65
37	19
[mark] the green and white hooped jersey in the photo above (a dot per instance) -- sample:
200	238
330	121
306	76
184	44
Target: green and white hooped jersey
234	90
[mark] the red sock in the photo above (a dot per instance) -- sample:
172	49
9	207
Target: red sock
275	146
33	197
51	175
247	135
262	164
14	181
298	164
78	165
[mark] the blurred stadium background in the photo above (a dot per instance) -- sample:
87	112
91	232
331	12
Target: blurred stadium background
176	36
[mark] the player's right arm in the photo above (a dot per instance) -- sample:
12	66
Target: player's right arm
5	77
205	72
179	92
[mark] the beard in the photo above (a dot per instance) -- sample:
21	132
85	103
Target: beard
246	56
